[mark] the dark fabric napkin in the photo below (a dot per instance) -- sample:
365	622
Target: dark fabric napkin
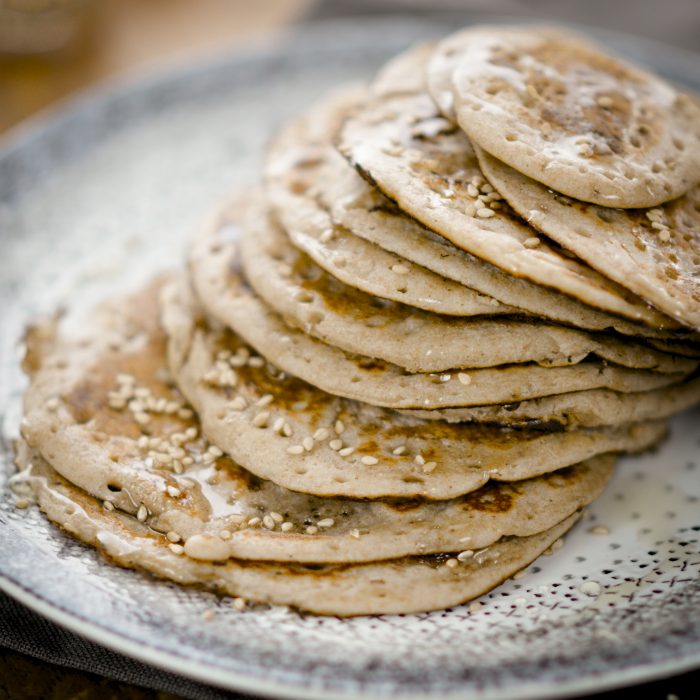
28	633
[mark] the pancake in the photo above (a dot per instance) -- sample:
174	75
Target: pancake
357	207
225	296
186	489
294	166
596	407
236	523
655	253
559	109
406	585
311	299
289	432
418	159
102	409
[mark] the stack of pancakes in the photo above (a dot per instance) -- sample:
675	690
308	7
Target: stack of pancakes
393	375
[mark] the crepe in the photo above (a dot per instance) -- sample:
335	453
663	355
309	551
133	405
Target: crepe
401	144
309	298
358	208
654	253
295	169
591	408
289	432
398	586
562	111
224	295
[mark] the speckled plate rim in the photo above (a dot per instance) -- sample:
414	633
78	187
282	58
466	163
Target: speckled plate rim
229	680
675	63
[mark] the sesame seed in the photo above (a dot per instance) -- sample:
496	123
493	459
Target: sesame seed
254	521
604	101
369	460
326	522
286	526
429	467
276	517
108	505
176	548
472	191
215	451
664	236
238	404
519	574
346	451
265	400
451	563
284	269
419	460
531	242
590	588
401	449
278	425
173	491
260	421
22	503
142	513
173	537
268	522
287	430
185	413
466	554
225	534
336	444
475	607
191	433
321	434
142	442
464	378
355	533
400	269
52	404
339	427
308	443
485	213
188	461
239	603
599	530
294	450
311	530
326	236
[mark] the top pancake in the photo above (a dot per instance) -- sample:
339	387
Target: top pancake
559	109
399	142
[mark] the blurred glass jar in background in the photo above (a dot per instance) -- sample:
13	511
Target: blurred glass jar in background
40	26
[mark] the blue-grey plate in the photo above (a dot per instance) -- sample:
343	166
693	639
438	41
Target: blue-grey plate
97	195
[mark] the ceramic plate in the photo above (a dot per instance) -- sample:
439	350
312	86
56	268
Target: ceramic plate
96	196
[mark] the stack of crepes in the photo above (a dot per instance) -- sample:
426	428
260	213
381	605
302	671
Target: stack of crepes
396	373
